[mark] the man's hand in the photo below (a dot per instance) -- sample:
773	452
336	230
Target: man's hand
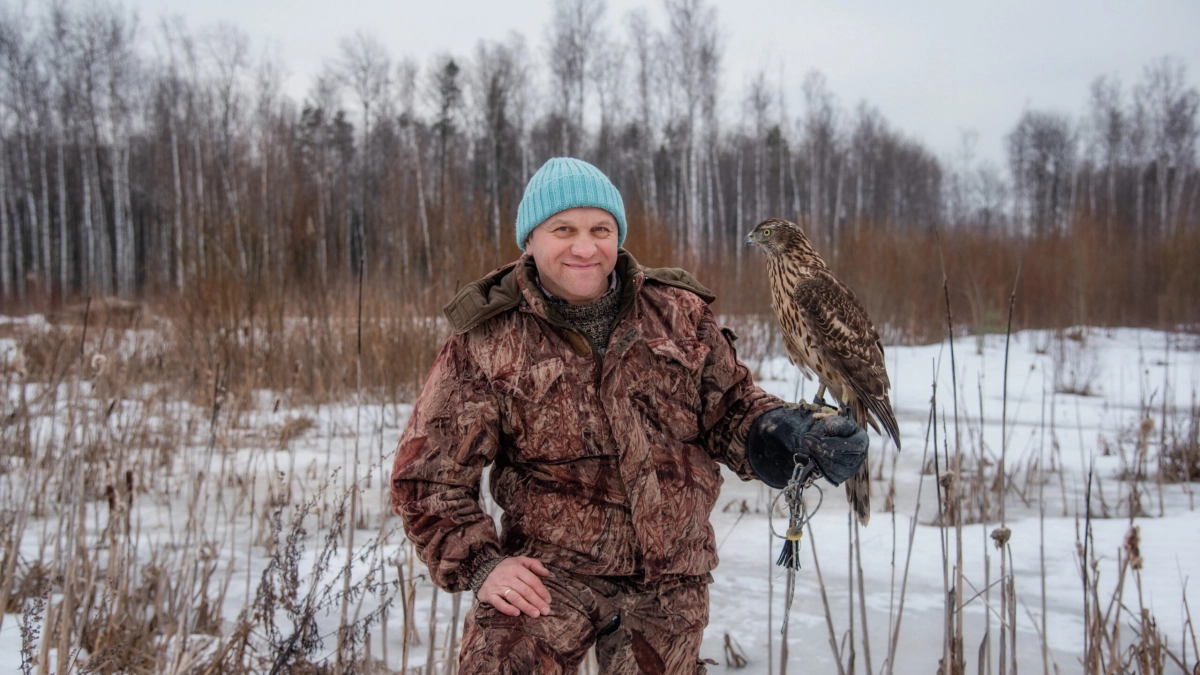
513	587
784	437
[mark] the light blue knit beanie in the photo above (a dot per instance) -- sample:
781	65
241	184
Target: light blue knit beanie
563	183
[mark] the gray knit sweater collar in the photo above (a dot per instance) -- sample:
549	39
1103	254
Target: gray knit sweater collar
595	319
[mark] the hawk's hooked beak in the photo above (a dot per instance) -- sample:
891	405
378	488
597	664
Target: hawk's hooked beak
749	240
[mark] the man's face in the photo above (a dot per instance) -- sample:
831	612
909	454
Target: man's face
575	251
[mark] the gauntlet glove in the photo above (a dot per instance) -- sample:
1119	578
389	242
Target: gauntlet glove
833	446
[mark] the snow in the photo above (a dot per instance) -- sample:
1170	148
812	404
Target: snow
1135	371
1129	374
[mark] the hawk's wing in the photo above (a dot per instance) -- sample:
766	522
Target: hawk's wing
846	340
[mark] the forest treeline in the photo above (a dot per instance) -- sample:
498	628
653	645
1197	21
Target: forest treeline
145	159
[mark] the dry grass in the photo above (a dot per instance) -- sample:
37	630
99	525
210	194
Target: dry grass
1180	461
112	410
105	425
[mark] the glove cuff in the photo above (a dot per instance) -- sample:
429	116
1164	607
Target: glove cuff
767	445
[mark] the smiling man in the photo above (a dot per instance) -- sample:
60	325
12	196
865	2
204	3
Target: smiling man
575	252
603	394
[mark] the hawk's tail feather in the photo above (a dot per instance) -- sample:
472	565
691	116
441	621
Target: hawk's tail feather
872	409
883	410
870	419
858	487
862	414
858	493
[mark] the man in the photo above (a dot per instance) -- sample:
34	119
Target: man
603	394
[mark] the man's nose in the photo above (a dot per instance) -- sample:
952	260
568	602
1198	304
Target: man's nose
583	246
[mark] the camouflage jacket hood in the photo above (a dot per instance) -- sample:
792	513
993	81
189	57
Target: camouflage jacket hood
600	467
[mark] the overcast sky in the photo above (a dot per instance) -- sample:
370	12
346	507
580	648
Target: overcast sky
933	68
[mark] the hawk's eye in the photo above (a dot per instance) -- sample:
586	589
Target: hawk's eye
766	233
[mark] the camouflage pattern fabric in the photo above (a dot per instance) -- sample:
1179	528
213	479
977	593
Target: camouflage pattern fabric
603	468
659	632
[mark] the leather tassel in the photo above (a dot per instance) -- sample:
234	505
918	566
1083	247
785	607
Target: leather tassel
789	557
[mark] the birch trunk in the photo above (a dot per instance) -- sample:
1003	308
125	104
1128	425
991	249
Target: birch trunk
119	242
1139	218
235	209
88	263
719	194
706	199
1176	217
651	176
494	188
200	221
32	211
264	225
48	257
782	177
1160	181
837	206
64	251
693	201
758	214
795	190
1189	214
130	261
6	281
322	229
858	199
422	216
104	262
177	216
741	214
1110	221
814	197
18	254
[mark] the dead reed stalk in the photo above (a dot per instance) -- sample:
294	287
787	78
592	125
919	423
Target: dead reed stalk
833	643
894	634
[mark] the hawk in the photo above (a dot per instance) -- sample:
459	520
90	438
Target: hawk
826	331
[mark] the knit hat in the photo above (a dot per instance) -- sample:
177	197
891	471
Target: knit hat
563	183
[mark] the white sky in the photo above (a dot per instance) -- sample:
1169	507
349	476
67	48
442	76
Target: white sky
933	68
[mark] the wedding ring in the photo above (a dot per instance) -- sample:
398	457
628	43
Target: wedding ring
505	596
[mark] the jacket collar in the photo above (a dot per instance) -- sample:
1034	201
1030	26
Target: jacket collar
515	284
628	271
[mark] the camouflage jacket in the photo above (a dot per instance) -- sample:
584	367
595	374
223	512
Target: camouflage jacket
604	468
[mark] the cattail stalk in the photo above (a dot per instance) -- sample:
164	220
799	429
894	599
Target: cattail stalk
833	644
430	663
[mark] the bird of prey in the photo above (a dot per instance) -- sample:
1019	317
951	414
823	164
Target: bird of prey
826	331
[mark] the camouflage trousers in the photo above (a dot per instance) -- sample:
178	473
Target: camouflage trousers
653	629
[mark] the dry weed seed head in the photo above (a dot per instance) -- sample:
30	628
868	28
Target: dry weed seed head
1000	536
1147	426
1132	546
18	364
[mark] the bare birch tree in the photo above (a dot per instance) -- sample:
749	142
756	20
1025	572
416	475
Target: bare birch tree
574	33
366	67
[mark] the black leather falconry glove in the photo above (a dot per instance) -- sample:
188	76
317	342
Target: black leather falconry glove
834	446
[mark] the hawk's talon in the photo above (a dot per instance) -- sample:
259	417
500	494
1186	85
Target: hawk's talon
819	409
810	407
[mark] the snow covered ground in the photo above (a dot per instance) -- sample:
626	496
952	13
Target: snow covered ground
1127	374
1128	371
